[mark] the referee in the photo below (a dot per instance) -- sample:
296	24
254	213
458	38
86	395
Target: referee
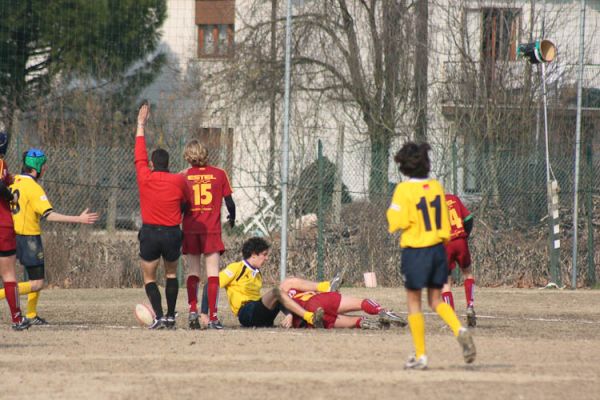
162	195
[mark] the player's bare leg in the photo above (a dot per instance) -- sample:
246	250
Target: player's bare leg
194	262
303	285
212	273
447	291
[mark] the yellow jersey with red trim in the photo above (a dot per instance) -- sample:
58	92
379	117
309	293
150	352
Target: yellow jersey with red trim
242	282
33	204
419	210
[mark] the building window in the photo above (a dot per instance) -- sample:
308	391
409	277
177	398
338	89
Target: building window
215	20
500	33
219	143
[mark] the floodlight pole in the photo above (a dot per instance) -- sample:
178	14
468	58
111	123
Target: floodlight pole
578	142
285	145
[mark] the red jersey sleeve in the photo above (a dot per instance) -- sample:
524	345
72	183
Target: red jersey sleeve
141	159
226	190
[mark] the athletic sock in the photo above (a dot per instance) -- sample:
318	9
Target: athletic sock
358	322
213	292
192	292
12	298
449	316
448	299
155	299
370	306
32	300
171	292
24	288
416	322
323	286
470	291
309	317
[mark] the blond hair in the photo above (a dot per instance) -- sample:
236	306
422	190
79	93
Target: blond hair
195	153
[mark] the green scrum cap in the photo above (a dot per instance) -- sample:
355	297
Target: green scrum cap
35	158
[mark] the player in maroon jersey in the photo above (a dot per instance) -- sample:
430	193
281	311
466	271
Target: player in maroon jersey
208	186
336	306
8	244
457	250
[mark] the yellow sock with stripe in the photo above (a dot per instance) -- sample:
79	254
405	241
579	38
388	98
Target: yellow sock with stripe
24	288
416	322
323	286
308	317
32	300
449	316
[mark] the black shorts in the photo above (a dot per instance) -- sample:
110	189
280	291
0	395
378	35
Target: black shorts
256	314
425	267
157	241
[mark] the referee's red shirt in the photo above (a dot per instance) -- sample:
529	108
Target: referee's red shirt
161	193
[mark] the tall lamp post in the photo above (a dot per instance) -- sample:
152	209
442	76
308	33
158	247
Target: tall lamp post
543	52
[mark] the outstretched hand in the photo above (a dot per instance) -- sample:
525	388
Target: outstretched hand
143	114
87	217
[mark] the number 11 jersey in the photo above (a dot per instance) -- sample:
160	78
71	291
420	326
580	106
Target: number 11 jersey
419	209
207	186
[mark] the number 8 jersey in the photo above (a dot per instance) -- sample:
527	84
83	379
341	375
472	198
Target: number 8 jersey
419	209
207	186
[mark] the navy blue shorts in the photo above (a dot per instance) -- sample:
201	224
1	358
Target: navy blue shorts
30	254
425	267
256	314
157	241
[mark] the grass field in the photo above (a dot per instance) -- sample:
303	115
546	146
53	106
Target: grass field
532	344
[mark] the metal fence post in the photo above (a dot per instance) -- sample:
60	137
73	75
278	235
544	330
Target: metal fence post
590	214
320	213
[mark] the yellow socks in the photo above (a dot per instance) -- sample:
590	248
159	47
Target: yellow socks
323	286
449	316
416	322
32	300
308	317
24	288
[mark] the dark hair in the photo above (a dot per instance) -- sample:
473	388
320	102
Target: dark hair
413	160
254	245
160	160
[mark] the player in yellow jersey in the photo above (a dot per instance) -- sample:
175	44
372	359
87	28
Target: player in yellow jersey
32	206
243	282
418	209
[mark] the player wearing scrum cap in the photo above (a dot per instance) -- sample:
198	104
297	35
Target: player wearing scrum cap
32	205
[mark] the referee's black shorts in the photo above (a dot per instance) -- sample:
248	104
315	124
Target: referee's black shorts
157	241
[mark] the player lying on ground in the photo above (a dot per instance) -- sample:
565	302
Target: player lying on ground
335	306
243	283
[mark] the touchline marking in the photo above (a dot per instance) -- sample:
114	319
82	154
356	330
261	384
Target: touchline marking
578	321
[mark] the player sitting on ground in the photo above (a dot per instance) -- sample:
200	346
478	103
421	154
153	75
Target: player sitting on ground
457	250
243	282
335	305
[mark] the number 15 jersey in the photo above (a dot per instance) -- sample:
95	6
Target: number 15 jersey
419	209
208	186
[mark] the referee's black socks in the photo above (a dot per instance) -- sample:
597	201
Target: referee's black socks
171	292
154	295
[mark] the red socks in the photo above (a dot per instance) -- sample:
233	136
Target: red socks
370	307
213	291
469	291
448	299
12	298
192	291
